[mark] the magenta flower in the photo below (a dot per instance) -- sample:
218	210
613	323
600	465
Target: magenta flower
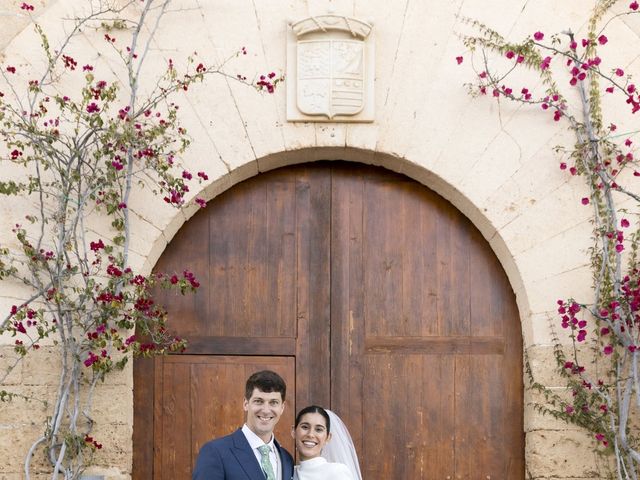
624	223
569	409
585	200
11	69
602	39
633	5
95	246
510	54
27	7
201	202
545	63
619	72
608	349
117	165
203	176
538	36
459	60
93	108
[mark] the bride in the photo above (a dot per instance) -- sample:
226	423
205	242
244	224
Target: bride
324	447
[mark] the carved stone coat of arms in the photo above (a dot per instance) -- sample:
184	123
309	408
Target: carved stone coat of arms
330	70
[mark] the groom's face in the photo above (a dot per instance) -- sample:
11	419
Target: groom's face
263	412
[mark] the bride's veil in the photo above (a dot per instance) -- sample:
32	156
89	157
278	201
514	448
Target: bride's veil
340	448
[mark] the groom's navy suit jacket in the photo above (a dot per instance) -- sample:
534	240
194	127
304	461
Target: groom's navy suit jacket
231	458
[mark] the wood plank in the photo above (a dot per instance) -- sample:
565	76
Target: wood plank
143	421
313	313
348	301
435	345
176	423
240	345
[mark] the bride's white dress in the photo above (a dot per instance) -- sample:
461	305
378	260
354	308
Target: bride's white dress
319	469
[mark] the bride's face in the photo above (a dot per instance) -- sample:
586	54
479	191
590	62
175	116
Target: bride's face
310	435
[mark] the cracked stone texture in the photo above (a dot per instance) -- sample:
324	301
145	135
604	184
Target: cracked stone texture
492	161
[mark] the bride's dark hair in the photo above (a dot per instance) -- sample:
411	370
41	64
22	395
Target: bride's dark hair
314	409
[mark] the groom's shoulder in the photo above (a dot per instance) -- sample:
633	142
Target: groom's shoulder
225	441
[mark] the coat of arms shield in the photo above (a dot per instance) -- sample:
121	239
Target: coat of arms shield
330	70
330	77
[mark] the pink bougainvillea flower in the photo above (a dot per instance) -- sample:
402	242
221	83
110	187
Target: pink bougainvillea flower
628	142
573	45
633	5
619	72
27	7
604	331
569	409
11	69
87	68
609	89
602	39
203	176
510	54
93	107
563	166
631	88
459	60
187	175
585	200
582	334
608	349
546	62
538	36
619	247
95	246
520	59
201	202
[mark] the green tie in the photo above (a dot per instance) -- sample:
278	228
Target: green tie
265	463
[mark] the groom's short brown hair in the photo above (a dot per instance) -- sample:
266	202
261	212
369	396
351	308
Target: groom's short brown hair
266	381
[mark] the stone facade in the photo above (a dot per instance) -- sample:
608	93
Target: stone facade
493	161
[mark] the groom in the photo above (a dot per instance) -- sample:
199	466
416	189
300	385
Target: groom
251	452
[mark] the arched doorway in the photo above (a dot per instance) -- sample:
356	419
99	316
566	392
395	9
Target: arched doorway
371	295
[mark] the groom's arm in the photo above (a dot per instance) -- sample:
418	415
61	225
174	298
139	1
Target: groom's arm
209	464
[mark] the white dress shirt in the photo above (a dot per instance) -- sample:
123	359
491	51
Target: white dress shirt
256	442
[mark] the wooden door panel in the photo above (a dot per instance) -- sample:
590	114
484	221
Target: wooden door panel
200	398
371	295
409	416
448	315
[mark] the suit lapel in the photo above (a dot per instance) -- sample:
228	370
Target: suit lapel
284	461
245	456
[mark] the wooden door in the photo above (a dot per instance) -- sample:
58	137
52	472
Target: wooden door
371	295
